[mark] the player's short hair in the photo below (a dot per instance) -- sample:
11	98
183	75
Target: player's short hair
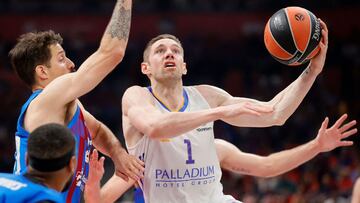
50	147
32	49
155	39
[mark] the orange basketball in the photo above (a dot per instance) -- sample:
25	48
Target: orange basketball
292	35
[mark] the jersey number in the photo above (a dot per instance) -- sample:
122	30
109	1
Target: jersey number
188	145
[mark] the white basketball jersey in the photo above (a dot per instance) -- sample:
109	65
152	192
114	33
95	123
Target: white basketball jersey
185	168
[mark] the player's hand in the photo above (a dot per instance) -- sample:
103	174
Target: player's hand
244	108
318	62
96	170
331	138
128	166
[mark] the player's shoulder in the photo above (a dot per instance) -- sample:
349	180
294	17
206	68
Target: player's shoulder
207	89
135	90
212	94
6	175
203	86
136	94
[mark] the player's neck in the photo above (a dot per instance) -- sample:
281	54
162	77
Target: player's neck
40	84
54	183
170	96
48	180
37	87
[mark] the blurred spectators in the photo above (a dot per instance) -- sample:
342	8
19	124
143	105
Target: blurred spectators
148	6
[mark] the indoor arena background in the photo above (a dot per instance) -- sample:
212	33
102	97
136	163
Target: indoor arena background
223	42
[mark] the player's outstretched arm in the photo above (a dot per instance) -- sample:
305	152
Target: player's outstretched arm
288	100
284	103
139	109
111	51
327	139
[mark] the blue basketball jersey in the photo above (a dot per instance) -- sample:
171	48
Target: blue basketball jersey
19	189
82	151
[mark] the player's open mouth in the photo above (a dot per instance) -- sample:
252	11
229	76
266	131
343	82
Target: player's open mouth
170	65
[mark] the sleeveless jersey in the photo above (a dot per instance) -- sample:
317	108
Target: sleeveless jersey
19	189
184	168
82	151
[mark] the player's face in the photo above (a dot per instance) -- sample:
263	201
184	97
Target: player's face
166	60
59	63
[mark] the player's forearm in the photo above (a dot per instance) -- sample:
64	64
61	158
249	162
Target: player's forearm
92	193
174	124
117	31
104	60
106	142
114	188
171	124
287	101
284	161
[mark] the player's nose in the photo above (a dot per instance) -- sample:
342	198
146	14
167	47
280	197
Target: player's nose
169	55
71	65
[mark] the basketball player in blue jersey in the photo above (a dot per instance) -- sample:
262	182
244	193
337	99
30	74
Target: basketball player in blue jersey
41	62
51	163
232	159
170	126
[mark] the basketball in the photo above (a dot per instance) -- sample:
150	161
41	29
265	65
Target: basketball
292	35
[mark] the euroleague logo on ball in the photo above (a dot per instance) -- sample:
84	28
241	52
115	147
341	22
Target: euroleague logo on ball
299	17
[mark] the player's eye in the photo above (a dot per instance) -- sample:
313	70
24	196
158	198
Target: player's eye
159	51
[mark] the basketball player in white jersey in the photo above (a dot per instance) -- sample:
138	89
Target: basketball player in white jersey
233	159
170	126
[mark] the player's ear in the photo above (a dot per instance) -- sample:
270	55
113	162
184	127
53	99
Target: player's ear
184	69
145	68
41	72
72	164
